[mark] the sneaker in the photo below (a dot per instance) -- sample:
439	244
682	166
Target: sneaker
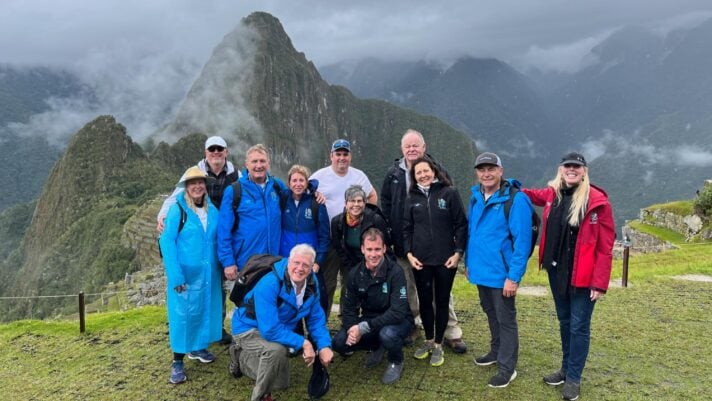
486	359
571	390
234	366
555	378
202	355
374	358
458	346
502	380
392	373
424	350
437	358
177	373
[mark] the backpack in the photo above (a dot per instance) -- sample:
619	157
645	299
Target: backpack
183	219
536	221
237	197
257	266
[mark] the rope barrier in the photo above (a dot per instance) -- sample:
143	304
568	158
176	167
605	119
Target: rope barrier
66	296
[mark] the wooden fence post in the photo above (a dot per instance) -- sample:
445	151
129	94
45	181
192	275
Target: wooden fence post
626	256
81	312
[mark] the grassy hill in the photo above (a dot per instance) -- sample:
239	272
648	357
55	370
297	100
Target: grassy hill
649	342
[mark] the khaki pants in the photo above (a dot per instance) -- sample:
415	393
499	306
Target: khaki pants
263	361
453	330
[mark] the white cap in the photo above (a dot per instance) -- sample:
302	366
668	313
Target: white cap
215	140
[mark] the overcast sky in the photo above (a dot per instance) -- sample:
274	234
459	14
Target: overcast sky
141	56
551	33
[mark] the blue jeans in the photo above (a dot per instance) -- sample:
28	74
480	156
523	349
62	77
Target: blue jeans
391	338
574	312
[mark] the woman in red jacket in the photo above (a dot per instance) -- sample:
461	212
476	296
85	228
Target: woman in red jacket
576	250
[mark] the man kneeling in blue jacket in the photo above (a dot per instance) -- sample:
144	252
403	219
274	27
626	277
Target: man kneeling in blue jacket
264	328
376	315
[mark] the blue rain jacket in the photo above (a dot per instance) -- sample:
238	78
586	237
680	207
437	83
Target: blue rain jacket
189	257
497	250
298	225
271	308
260	222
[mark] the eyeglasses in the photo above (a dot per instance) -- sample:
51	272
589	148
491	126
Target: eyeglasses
573	166
215	148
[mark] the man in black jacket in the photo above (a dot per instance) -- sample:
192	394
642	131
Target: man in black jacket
375	314
393	194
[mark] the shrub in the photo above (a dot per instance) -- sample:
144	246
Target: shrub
703	203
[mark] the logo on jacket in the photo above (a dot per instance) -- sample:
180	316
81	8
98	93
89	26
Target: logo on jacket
402	293
308	214
594	218
384	289
442	204
274	196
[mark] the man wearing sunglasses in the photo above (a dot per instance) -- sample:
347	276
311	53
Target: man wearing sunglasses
216	165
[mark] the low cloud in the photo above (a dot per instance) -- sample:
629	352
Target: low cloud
614	146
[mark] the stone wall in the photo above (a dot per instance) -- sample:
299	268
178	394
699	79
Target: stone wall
640	243
688	226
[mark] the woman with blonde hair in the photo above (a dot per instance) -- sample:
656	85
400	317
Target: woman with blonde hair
576	250
194	293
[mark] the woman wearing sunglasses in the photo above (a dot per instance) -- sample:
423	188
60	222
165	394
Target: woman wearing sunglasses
576	250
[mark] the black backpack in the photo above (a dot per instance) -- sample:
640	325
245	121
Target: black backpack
257	266
237	197
183	219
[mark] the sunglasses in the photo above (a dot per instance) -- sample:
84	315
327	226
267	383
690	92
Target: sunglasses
573	166
216	148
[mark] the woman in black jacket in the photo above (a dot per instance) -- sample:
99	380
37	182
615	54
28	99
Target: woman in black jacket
434	237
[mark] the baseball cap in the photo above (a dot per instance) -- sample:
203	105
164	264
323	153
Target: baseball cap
215	141
573	158
488	158
341	144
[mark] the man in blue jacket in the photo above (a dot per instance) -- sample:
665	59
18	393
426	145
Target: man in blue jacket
259	215
496	260
264	327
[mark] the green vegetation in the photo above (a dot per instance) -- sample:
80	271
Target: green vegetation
680	208
703	202
649	342
662	233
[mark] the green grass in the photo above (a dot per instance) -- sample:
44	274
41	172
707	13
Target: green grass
649	341
681	208
662	233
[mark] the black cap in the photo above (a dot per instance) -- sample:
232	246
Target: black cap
573	158
488	158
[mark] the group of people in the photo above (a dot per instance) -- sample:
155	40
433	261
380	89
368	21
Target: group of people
397	262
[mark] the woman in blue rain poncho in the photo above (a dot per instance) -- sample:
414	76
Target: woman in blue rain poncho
192	275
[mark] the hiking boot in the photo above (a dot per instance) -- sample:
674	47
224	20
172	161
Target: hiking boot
374	358
234	366
571	390
392	373
458	346
502	380
177	373
437	358
202	355
486	359
555	378
424	350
